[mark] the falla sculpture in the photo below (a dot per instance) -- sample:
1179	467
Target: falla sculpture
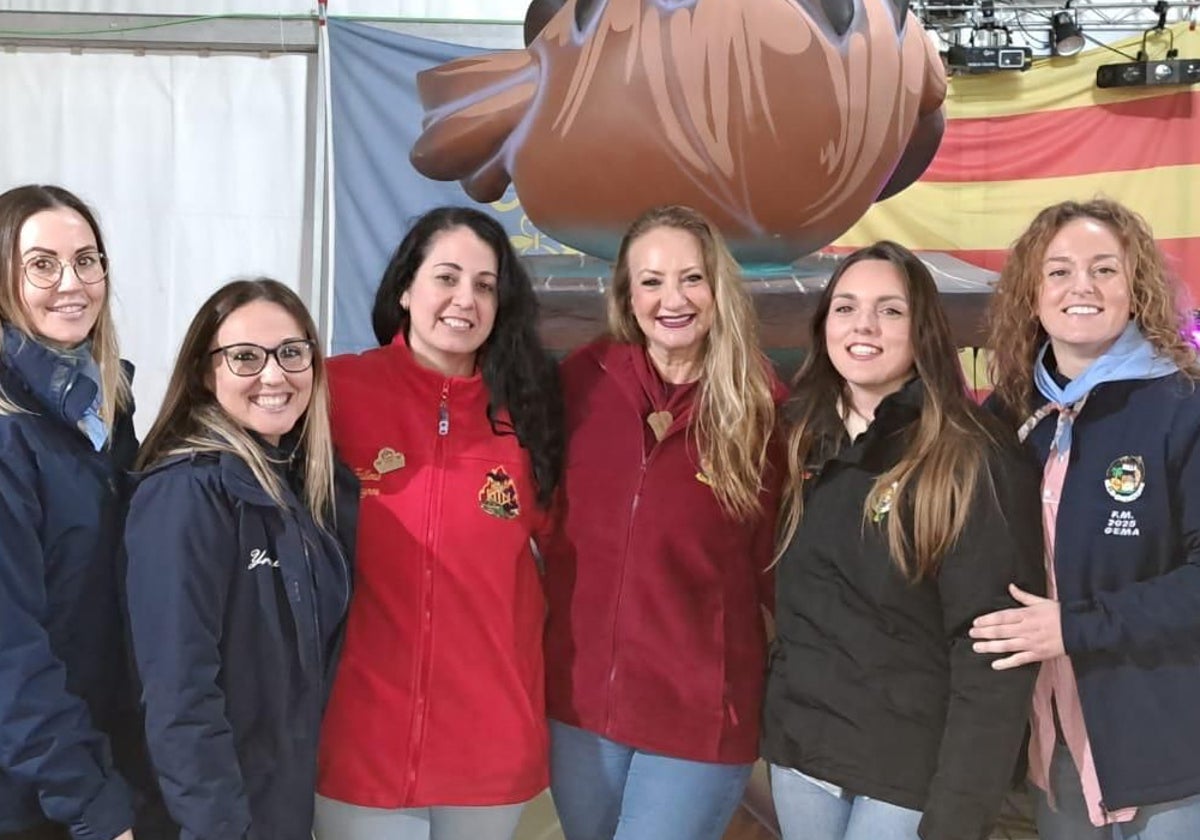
781	120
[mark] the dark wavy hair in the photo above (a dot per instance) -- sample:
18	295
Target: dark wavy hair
520	375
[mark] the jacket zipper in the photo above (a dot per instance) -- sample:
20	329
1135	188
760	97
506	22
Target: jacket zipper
320	654
420	702
612	670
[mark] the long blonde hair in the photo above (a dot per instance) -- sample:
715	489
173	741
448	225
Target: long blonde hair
1016	334
933	483
16	207
191	419
735	411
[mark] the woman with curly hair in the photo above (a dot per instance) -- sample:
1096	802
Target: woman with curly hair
436	727
655	641
1091	363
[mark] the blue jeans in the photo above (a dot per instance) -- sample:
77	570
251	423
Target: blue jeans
1179	820
608	791
808	811
342	821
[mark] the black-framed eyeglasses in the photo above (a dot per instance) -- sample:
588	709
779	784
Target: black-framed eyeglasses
46	271
294	356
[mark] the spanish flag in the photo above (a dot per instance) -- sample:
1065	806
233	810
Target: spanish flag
1016	142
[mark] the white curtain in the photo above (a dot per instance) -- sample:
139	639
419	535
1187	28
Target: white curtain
449	9
196	167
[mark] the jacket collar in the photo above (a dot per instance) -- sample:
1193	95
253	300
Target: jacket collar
57	381
894	414
235	476
402	358
630	367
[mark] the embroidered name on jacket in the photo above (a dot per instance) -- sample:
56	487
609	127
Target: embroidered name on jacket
1122	523
498	496
259	557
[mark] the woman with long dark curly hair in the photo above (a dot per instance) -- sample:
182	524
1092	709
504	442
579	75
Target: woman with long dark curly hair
1092	364
436	727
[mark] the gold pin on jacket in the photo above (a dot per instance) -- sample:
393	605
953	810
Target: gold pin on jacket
388	460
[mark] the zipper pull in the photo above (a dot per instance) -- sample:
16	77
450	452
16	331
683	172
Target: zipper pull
444	411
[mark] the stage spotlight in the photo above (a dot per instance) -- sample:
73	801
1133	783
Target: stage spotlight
1066	38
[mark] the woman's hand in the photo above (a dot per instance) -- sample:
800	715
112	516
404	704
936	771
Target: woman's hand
1029	633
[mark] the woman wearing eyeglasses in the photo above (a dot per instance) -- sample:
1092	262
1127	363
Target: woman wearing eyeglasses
66	440
238	539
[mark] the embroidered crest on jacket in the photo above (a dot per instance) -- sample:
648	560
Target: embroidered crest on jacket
498	496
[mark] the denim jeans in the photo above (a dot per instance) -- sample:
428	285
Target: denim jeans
809	811
342	821
1179	820
608	791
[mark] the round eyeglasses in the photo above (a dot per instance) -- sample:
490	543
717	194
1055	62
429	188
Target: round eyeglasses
46	271
295	356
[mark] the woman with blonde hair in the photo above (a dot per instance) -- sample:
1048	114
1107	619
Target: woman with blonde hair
238	541
1091	363
908	512
66	440
655	575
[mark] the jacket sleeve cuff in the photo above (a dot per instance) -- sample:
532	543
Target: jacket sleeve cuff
1075	618
950	817
108	815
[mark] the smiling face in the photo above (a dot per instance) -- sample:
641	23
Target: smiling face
65	314
670	295
868	332
271	402
452	301
1083	300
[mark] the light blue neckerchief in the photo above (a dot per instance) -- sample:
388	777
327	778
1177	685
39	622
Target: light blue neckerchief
91	424
1131	356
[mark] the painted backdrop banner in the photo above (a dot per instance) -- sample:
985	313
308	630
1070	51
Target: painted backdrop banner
1016	142
376	116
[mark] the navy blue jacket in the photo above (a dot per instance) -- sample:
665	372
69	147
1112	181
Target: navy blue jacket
236	607
62	659
1127	562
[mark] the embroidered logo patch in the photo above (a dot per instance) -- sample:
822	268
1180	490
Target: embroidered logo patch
1126	478
498	496
388	460
883	504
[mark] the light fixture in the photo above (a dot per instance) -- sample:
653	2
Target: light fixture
1066	37
1145	72
996	52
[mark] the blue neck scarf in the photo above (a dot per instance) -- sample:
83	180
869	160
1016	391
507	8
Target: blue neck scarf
1131	356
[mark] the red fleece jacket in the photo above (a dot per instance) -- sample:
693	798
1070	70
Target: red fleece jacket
655	635
438	699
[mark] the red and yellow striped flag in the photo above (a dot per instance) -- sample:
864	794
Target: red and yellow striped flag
1016	142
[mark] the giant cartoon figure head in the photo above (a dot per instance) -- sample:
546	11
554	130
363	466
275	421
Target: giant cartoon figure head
781	120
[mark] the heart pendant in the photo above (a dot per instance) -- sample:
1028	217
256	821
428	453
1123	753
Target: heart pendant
659	422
